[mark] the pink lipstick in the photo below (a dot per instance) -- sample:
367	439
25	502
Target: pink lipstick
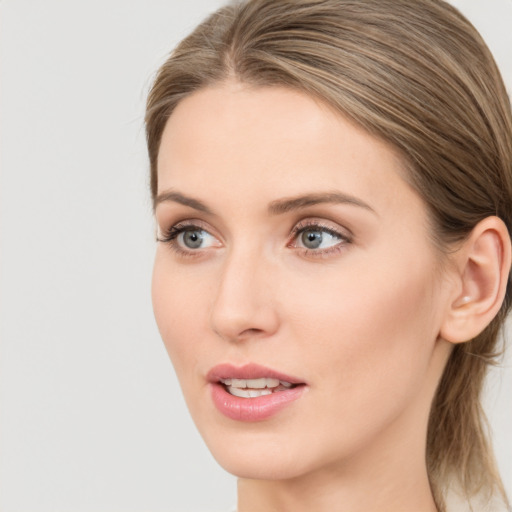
252	392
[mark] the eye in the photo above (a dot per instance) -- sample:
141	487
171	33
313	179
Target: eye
317	239
195	239
189	238
314	238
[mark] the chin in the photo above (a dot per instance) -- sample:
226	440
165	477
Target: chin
264	454
259	466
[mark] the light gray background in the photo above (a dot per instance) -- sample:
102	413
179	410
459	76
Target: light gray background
91	414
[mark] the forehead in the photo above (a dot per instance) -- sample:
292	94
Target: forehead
271	142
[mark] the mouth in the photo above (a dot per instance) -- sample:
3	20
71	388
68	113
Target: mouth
251	378
252	392
254	388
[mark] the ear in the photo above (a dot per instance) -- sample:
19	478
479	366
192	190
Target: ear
482	272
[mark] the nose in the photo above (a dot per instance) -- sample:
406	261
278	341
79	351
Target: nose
244	305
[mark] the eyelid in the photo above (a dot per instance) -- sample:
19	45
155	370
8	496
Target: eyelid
184	225
345	235
170	237
323	225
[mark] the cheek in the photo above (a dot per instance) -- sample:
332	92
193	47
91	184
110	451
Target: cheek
177	301
369	336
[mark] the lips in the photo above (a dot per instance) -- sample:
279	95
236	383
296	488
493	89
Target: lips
252	392
248	371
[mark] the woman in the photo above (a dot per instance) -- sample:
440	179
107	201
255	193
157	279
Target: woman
332	182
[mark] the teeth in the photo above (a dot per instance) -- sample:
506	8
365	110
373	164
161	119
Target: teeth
249	393
264	382
252	388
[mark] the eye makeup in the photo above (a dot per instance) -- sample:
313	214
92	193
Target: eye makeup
189	238
309	237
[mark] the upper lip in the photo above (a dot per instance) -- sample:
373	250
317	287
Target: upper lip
248	371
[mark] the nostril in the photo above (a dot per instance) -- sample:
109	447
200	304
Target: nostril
250	332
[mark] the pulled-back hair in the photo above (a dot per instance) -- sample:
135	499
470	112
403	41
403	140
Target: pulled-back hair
413	73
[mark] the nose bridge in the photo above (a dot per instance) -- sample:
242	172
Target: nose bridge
243	304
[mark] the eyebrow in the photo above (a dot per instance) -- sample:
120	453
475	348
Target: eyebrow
277	207
177	197
281	206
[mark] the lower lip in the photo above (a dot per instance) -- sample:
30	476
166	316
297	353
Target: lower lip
253	409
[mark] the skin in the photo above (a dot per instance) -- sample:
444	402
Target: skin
358	320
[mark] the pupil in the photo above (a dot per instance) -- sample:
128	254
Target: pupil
192	239
312	239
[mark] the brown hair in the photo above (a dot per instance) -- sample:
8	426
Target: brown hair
419	76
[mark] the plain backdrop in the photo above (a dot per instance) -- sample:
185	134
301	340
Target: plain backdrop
92	417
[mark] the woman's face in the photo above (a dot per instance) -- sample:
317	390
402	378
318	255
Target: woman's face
293	250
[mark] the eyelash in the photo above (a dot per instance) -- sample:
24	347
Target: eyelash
170	238
171	234
301	227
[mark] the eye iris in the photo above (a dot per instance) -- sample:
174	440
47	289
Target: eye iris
312	239
192	239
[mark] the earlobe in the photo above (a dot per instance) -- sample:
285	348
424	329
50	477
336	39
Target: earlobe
483	266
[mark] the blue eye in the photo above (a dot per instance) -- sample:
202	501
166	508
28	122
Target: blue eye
316	239
312	238
188	238
195	239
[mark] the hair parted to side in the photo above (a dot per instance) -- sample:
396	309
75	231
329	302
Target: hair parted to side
419	76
